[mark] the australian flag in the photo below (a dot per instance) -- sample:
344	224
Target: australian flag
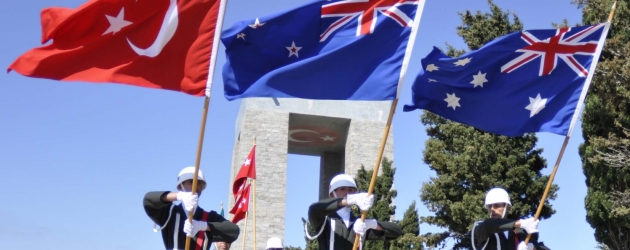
528	81
335	50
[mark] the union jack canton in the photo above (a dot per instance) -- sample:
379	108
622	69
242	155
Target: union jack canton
366	13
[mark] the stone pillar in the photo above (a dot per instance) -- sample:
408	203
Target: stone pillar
270	130
331	164
363	142
345	134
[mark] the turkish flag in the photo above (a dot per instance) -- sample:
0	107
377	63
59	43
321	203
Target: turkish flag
241	206
248	170
164	44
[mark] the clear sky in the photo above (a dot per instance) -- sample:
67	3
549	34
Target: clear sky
77	158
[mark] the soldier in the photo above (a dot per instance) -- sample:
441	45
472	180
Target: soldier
222	245
497	232
333	220
274	243
172	218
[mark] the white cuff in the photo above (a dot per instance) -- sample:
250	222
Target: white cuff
371	223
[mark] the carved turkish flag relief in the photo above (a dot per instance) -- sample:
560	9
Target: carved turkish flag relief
163	44
309	135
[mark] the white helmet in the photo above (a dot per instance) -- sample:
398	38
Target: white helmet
341	180
497	195
274	242
187	174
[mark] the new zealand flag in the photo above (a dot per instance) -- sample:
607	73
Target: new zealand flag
335	50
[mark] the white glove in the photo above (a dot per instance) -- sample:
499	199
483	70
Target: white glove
191	229
361	227
189	200
522	246
530	225
362	200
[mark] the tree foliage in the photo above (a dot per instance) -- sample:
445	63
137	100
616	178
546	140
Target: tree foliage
468	162
410	225
606	114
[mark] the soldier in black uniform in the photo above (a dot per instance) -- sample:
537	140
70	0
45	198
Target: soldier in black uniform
205	227
499	233
334	213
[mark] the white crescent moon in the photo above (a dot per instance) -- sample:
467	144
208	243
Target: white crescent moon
167	30
293	131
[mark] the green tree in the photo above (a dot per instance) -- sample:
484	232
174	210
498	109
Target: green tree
384	195
410	225
616	153
468	162
606	114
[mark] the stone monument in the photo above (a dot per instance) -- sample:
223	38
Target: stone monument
345	134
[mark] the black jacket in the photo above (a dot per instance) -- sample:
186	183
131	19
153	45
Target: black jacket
344	236
489	235
173	233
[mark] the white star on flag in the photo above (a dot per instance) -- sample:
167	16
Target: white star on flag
247	162
479	79
240	35
328	138
243	201
462	62
293	50
257	24
116	23
432	67
536	105
452	100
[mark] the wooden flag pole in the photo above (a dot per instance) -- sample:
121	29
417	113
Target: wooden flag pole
222	215
403	72
206	104
245	227
612	12
254	198
198	160
378	163
549	182
566	139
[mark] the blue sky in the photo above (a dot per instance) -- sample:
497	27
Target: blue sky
77	158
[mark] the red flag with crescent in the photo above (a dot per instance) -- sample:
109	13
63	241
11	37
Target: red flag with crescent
248	170
164	44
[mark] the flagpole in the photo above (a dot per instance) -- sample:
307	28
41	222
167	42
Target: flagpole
245	229
254	197
254	200
578	108
390	117
378	162
246	218
198	160
222	215
206	104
